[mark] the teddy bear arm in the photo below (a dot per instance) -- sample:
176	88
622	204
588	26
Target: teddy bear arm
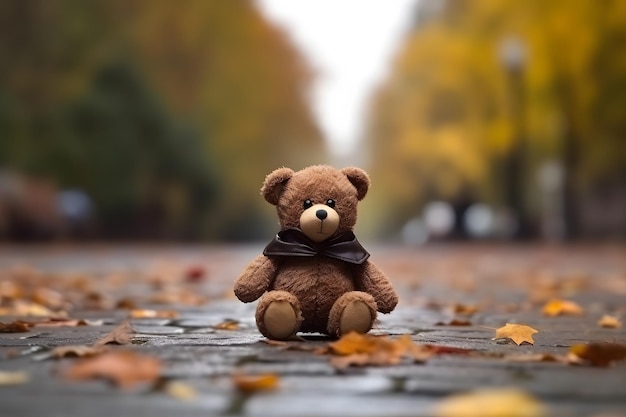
373	281
256	278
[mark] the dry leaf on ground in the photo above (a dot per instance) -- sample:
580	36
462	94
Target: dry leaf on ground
60	323
13	377
596	354
227	325
123	368
151	314
121	335
518	333
28	308
354	349
557	307
609	322
249	384
535	357
490	403
180	390
75	351
464	309
15	327
454	322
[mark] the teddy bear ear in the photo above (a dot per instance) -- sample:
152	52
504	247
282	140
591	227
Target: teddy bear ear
275	183
359	179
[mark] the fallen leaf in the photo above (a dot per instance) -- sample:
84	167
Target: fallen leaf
121	335
446	350
535	357
180	390
596	354
60	322
494	402
557	307
227	325
125	369
249	384
13	377
14	327
161	314
355	349
454	322
609	322
195	273
27	308
467	310
75	351
518	333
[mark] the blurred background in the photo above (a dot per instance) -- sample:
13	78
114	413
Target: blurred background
158	120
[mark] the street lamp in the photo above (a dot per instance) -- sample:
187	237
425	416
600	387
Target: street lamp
513	57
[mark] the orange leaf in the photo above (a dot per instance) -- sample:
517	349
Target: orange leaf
518	333
558	307
227	325
609	322
123	368
161	314
252	383
467	310
597	354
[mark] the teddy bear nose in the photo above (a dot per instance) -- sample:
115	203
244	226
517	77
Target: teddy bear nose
321	214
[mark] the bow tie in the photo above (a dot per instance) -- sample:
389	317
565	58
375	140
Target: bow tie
293	242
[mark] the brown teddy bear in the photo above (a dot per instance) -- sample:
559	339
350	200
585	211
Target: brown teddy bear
315	276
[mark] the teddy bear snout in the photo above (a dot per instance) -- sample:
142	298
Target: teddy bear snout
319	222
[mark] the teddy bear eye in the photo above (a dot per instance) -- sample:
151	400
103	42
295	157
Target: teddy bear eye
330	203
307	203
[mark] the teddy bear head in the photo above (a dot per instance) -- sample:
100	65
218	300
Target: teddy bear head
320	200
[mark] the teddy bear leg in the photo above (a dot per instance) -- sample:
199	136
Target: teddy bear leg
355	311
278	315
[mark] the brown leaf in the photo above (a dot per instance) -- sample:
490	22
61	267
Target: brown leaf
162	314
60	323
75	351
518	333
557	307
249	384
596	354
609	322
463	309
15	327
121	335
446	350
125	369
494	402
195	273
227	325
28	308
454	322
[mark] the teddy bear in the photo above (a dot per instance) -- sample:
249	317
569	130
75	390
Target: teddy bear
314	276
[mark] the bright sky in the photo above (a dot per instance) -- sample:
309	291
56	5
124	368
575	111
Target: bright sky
350	44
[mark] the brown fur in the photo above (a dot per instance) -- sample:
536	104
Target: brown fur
316	283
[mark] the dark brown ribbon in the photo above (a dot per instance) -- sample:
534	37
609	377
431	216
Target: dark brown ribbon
293	242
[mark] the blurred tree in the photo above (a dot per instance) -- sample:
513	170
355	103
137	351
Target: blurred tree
219	69
452	118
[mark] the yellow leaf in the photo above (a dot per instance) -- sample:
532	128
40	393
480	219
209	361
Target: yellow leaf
610	322
180	390
490	403
518	333
13	377
249	384
162	314
227	325
558	307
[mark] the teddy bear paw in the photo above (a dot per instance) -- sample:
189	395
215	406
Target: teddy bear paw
354	311
278	315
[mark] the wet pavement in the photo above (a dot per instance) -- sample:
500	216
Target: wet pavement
484	287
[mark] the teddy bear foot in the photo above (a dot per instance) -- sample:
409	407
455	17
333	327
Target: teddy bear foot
354	311
278	315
